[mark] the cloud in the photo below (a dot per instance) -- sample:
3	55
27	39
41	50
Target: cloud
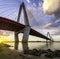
28	1
46	25
52	7
5	33
52	31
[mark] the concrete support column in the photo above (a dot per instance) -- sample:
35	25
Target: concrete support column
26	29
25	38
16	41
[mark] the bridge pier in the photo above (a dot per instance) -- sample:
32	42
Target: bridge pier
25	38
26	29
16	41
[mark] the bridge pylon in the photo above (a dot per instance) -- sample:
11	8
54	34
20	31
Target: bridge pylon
50	41
26	29
48	35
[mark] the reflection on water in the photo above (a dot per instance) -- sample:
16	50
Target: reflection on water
37	45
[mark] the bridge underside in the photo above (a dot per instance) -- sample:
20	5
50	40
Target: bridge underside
8	24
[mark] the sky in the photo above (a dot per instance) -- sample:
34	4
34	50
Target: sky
37	19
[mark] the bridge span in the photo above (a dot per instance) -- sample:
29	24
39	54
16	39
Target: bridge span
8	24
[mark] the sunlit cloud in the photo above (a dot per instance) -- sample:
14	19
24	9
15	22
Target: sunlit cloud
52	7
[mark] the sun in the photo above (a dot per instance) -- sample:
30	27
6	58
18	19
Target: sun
2	39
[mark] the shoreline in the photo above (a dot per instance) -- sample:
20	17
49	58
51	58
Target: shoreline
6	53
32	41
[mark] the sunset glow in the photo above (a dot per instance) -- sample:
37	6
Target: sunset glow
2	39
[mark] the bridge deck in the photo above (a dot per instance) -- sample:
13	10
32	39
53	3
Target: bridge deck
7	24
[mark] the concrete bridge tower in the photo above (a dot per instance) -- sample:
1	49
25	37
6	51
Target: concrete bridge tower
26	29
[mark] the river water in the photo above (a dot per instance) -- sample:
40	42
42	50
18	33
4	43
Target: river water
38	45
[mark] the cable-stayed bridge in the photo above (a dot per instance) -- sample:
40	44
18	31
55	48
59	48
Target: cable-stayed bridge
7	24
